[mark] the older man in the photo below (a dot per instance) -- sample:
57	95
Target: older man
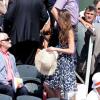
83	39
84	35
8	70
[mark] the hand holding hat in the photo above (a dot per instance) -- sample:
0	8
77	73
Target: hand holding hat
46	62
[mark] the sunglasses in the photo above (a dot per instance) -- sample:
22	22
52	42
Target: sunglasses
98	8
6	39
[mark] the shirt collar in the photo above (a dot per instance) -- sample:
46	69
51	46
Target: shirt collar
5	53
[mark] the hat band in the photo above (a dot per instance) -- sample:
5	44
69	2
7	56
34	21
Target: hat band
98	83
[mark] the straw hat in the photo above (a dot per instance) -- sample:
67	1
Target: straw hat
46	62
96	80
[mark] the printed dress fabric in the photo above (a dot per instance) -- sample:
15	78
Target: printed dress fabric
64	76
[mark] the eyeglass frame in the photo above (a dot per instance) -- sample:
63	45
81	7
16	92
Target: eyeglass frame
7	39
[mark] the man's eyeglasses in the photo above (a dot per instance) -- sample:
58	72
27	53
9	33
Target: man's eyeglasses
7	39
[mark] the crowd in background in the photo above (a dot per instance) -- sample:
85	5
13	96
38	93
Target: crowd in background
56	25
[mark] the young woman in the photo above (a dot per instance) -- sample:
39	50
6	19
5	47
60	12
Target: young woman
63	81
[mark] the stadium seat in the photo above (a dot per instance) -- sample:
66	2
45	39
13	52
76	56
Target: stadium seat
26	97
32	79
53	99
28	72
5	97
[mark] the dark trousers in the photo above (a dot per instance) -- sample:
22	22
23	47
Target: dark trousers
8	90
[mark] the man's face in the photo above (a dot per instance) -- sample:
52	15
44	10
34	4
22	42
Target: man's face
5	42
98	8
89	16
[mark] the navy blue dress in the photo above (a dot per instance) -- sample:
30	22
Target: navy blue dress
64	76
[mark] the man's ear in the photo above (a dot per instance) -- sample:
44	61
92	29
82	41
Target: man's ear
84	13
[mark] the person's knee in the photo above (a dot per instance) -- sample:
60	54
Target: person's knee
22	91
10	92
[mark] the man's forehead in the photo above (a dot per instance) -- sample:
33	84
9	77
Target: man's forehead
3	36
90	12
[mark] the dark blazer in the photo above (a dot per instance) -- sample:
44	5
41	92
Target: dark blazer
24	17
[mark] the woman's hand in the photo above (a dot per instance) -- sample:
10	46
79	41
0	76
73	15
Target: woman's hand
50	49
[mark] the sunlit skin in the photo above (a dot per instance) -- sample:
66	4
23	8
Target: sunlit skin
98	90
4	43
89	16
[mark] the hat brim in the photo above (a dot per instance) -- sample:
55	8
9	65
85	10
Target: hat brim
41	68
94	86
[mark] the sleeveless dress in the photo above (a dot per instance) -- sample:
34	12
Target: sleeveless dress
64	76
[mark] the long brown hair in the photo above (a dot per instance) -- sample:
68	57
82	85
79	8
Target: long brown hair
64	16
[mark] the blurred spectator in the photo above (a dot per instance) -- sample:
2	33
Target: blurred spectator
50	27
3	9
54	5
97	5
8	70
97	63
97	19
83	38
23	20
89	17
72	6
83	42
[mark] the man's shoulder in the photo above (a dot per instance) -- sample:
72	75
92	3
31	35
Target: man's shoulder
11	55
81	26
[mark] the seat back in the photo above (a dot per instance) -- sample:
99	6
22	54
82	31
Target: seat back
34	88
53	98
5	97
27	72
26	97
32	82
